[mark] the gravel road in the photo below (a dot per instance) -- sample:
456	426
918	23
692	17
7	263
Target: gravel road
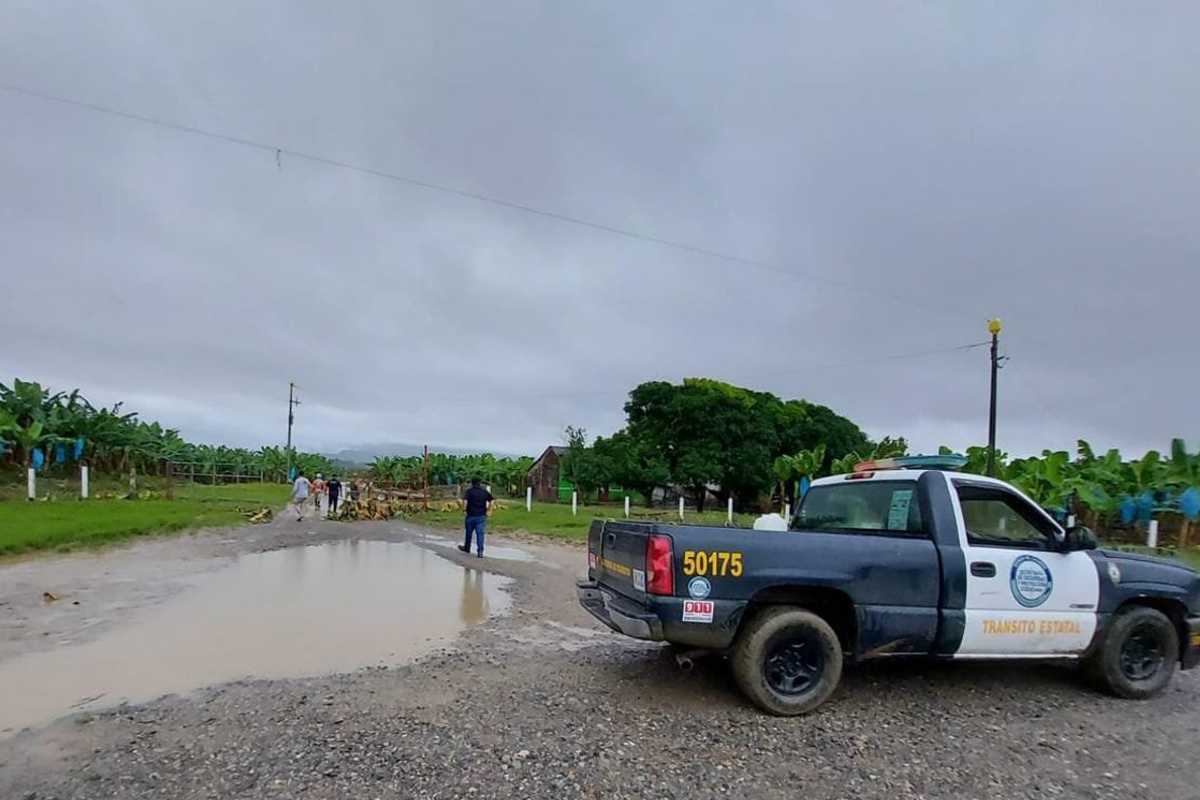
544	703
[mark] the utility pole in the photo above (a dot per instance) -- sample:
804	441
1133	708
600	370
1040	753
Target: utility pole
425	479
292	403
994	328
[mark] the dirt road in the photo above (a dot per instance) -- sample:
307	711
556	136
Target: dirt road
532	699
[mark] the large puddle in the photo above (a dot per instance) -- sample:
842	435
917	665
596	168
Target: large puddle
502	553
288	613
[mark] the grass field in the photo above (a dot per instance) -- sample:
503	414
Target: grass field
555	520
67	523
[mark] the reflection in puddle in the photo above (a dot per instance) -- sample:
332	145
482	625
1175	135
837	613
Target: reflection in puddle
288	613
503	553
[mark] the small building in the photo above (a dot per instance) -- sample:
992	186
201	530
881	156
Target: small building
545	476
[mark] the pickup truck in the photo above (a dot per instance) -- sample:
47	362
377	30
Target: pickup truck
887	563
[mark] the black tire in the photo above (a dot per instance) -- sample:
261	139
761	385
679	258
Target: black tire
1139	656
787	660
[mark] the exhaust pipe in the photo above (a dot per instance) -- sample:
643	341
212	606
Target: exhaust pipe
687	659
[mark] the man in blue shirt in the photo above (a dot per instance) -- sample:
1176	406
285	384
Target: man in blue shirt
478	501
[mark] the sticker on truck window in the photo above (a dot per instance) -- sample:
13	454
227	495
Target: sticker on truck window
898	510
697	610
717	563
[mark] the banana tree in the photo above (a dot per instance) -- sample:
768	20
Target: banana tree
798	469
1043	479
8	429
28	437
1182	473
1096	482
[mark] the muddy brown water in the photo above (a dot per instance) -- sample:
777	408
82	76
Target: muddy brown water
289	613
491	551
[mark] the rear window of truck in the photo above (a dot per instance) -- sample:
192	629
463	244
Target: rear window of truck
885	507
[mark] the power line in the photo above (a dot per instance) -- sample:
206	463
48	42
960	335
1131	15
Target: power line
882	359
277	152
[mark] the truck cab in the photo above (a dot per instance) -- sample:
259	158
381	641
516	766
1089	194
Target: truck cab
898	559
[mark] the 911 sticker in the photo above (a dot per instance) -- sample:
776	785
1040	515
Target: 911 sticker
697	610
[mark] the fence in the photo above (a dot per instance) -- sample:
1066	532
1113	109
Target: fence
214	474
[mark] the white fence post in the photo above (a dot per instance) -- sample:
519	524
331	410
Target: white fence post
626	506
83	481
1152	534
31	484
529	498
574	503
681	508
1070	521
787	510
729	513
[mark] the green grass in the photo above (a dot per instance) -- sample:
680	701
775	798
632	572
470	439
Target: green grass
555	521
62	524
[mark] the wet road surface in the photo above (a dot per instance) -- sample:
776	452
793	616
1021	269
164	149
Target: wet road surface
543	703
300	611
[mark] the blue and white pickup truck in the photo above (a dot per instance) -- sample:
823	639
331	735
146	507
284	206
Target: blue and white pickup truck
893	562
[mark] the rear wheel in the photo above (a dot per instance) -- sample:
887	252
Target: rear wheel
787	660
1139	656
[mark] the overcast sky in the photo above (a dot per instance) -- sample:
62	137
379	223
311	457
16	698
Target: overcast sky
906	170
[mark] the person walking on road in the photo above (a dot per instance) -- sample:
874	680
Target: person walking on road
318	489
334	488
300	490
478	502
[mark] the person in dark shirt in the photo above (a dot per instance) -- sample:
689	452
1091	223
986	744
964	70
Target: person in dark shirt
334	487
478	501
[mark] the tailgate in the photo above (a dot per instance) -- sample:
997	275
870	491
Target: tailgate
617	557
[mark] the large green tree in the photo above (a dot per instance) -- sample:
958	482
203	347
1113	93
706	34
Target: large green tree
711	433
632	463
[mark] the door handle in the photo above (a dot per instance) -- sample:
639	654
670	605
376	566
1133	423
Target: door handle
983	569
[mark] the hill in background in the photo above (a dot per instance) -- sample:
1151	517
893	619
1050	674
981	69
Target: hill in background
365	454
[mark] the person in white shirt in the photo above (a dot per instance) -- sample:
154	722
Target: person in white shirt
299	495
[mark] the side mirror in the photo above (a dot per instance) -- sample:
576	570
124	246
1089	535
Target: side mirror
1079	537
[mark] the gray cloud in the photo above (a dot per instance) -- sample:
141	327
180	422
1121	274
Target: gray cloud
909	169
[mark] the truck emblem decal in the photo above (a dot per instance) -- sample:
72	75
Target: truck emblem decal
1031	581
699	588
1114	573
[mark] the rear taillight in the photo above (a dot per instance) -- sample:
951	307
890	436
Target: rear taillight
660	566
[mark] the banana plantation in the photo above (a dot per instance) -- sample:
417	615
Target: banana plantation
1114	495
505	475
51	431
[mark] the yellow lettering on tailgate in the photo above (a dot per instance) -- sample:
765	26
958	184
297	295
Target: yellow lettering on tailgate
617	567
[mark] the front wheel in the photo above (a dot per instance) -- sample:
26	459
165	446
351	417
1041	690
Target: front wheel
1139	655
787	661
